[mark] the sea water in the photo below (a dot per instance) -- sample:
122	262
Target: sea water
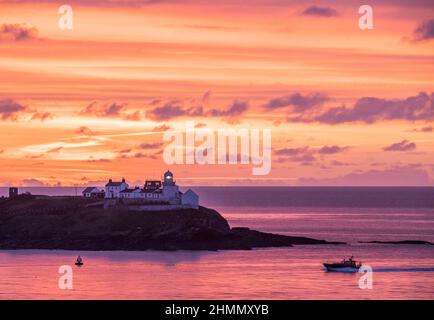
335	214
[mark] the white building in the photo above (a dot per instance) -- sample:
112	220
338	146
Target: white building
190	198
92	192
164	192
113	189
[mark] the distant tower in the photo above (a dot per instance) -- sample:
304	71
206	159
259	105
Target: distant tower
168	179
13	192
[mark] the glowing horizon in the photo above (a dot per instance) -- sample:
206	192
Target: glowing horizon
346	106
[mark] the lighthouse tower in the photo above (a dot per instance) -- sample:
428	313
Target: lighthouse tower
170	189
168	179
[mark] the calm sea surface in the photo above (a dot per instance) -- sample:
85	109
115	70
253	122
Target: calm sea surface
340	214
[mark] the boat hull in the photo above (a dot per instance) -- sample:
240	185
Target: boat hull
340	268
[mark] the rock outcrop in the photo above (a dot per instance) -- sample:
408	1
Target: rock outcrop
32	222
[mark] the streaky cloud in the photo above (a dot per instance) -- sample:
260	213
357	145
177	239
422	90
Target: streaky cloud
17	32
9	109
320	12
405	175
425	31
404	145
298	101
372	109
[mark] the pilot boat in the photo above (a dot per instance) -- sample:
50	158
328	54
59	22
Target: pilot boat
346	265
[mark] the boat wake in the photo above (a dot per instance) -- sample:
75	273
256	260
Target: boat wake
352	270
404	270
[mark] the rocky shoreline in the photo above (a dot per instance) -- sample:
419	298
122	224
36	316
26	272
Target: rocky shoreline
71	223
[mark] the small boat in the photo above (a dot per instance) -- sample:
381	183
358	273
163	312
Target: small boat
79	261
346	265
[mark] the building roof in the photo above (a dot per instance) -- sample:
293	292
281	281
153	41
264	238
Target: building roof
152	184
130	190
190	192
114	184
91	189
151	191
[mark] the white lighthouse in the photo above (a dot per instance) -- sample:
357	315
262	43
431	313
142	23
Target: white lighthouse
168	179
170	189
155	193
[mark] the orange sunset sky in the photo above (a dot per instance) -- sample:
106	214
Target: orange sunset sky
346	106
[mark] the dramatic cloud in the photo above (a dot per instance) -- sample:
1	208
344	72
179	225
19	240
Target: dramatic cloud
404	145
320	11
370	110
93	183
153	151
424	129
306	154
107	110
298	101
32	183
9	109
302	154
55	150
156	145
397	176
173	110
140	155
85	131
135	116
110	110
291	151
253	3
99	3
17	32
425	31
331	149
236	109
12	110
161	128
102	160
340	163
42	116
